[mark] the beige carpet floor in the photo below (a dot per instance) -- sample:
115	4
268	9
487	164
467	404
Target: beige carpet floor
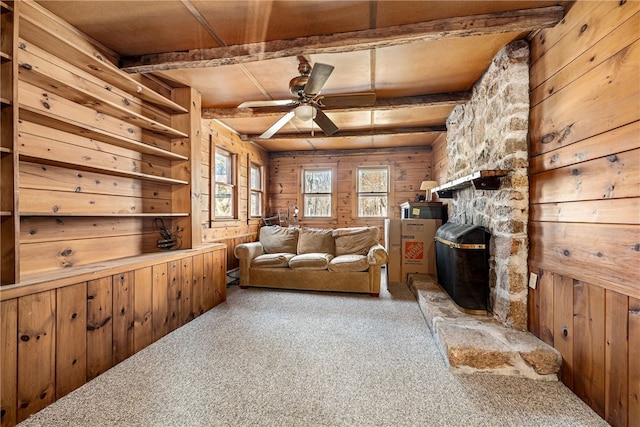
286	358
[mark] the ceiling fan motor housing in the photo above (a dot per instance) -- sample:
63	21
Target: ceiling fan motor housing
297	84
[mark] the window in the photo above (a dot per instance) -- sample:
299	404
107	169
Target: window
224	185
317	186
373	192
255	191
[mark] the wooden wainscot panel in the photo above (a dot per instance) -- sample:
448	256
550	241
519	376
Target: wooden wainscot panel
8	361
160	296
563	325
71	338
605	255
208	280
197	295
36	352
634	366
588	344
174	293
143	308
123	311
617	357
219	275
186	313
546	298
99	326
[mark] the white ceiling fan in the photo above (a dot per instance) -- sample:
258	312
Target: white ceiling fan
309	103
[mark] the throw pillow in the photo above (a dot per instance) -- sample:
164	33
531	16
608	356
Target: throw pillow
355	241
276	239
316	240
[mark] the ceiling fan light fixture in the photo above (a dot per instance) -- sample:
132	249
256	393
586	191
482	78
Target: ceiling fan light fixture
305	112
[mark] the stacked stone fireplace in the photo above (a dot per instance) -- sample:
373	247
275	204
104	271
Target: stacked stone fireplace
489	132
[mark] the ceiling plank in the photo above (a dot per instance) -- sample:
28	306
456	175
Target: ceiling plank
353	134
432	100
492	23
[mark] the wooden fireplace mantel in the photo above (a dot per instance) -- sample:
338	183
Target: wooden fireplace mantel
481	180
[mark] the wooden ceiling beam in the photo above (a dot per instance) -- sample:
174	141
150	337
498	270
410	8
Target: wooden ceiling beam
434	100
523	20
353	134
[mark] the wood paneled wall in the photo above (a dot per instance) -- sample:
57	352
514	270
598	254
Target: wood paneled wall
585	199
243	228
55	340
408	168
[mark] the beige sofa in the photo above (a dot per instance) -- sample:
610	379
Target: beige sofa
343	259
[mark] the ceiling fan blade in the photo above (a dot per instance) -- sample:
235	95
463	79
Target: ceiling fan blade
319	75
325	123
271	103
348	100
277	125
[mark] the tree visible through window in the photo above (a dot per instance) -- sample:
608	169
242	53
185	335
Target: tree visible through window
224	187
373	192
256	190
316	188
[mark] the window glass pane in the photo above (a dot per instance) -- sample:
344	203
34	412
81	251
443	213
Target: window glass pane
372	206
224	201
223	168
256	178
372	180
317	181
317	205
256	204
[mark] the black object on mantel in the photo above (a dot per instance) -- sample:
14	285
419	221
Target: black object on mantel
481	180
462	264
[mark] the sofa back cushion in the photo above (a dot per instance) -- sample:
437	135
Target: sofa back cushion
276	239
355	240
316	240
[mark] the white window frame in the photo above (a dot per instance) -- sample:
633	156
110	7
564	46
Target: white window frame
332	168
229	183
257	192
360	193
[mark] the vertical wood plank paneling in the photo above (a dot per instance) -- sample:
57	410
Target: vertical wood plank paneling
634	365
563	325
122	316
143	308
588	344
36	352
533	308
71	338
197	281
174	293
186	294
616	358
160	301
99	326
219	277
208	281
8	361
546	291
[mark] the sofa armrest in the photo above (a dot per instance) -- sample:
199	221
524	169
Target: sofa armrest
248	251
377	255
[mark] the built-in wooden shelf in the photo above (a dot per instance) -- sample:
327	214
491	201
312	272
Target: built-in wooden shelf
5	7
52	78
67	124
106	171
43	29
6	213
5	57
6	150
5	101
481	180
101	215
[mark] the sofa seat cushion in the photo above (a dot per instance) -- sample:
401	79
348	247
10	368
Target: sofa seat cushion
355	240
316	240
276	239
349	263
280	260
312	261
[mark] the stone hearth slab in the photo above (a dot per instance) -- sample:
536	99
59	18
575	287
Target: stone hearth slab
477	343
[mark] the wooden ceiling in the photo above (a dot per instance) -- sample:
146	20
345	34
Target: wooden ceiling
420	58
